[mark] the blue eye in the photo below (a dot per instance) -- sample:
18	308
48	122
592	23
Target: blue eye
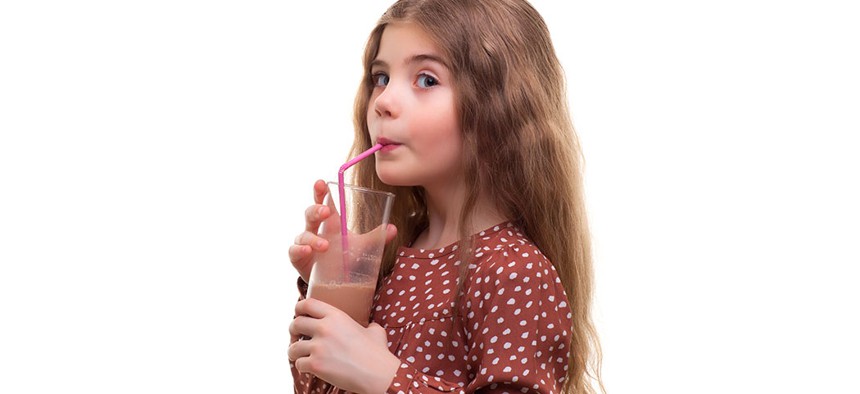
426	81
379	79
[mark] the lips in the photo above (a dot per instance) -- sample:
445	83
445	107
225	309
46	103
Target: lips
386	141
387	145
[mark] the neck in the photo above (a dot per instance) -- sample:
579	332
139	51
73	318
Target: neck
444	208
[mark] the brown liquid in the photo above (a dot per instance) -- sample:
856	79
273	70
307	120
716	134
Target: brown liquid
353	298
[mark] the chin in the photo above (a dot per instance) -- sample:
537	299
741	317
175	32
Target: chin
393	178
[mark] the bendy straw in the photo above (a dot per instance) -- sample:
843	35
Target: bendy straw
343	240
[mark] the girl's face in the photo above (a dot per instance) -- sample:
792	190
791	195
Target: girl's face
412	111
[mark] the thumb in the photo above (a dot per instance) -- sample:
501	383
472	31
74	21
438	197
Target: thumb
377	332
390	233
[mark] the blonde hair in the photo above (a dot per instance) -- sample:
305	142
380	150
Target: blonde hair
520	148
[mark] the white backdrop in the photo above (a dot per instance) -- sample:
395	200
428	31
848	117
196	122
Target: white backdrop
156	158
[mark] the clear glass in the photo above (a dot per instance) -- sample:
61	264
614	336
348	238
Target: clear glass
345	275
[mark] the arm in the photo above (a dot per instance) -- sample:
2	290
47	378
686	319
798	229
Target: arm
517	325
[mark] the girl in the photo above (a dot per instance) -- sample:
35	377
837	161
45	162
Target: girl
489	289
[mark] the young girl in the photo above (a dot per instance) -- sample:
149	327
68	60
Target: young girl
487	281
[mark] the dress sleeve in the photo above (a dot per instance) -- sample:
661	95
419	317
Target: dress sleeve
517	323
515	315
409	380
303	288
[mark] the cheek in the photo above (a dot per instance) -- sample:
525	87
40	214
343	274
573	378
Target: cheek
369	116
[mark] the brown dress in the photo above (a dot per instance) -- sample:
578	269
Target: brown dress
509	333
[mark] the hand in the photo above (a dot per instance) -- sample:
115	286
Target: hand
340	351
310	242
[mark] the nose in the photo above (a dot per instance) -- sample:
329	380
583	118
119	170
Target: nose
387	103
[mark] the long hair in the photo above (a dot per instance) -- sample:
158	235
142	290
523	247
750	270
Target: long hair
520	148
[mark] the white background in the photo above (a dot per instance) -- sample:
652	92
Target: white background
156	158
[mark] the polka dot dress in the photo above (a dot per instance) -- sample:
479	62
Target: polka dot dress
509	332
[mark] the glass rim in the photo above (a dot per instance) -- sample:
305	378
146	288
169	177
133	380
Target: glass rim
361	188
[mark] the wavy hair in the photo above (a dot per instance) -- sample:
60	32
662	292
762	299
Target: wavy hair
519	144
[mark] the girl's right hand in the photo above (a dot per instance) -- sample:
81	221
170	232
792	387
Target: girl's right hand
308	243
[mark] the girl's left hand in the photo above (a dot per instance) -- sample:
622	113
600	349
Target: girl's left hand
341	351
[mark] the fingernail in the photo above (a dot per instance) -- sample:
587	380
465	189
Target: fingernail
319	244
320	211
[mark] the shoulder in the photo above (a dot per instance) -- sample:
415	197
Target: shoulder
512	290
505	258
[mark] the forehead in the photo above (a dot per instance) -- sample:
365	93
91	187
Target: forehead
404	40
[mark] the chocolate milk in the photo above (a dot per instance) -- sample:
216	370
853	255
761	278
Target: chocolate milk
353	298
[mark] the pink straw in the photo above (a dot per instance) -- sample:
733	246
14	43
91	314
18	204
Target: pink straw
343	242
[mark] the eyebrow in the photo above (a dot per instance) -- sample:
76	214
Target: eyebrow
413	59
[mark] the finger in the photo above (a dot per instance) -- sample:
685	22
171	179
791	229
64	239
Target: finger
317	243
303	326
331	224
320	190
377	332
299	252
314	308
298	350
390	233
305	365
314	215
372	238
